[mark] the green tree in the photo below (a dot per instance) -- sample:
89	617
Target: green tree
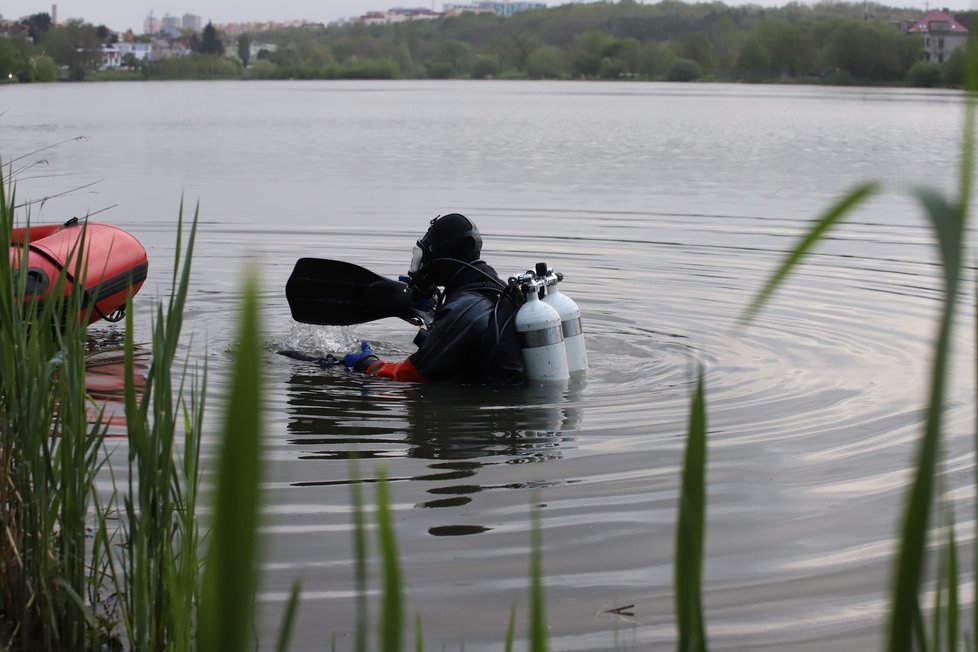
262	69
405	62
791	48
954	68
244	49
610	39
611	68
195	66
75	45
412	38
698	47
314	53
630	55
373	69
37	26
457	54
11	61
210	42
589	50
44	69
871	51
438	70
546	62
754	61
654	60
726	46
484	67
683	70
514	49
925	74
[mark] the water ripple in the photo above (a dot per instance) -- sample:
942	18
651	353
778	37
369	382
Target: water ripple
814	410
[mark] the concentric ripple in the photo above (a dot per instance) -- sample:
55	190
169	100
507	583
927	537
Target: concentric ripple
813	410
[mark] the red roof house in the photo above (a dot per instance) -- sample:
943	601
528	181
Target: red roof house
942	34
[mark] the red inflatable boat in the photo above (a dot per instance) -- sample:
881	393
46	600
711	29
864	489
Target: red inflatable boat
114	263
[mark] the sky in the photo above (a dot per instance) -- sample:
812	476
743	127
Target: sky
120	15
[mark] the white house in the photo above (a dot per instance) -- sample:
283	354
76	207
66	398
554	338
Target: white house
942	34
115	55
111	57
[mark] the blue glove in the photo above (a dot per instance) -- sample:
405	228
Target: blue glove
360	361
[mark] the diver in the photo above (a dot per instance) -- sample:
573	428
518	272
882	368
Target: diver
472	336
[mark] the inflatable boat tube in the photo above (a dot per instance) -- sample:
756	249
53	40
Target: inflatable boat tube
114	264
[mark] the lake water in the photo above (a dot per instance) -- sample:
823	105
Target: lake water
665	206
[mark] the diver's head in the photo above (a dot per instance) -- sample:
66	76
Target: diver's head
451	241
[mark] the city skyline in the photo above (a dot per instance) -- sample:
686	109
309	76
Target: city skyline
120	15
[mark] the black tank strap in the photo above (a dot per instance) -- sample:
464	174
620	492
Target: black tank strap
479	285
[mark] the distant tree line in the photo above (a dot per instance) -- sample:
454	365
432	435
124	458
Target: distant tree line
35	50
830	42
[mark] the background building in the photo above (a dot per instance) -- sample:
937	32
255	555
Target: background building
500	8
942	34
193	22
152	24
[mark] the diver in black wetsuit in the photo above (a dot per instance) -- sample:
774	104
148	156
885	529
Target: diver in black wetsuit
472	337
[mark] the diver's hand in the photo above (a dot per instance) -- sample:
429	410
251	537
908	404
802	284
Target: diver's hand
421	309
362	360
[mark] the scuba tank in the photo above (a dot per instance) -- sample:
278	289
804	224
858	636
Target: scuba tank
570	318
538	327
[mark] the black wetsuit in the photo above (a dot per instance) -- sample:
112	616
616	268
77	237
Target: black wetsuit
473	336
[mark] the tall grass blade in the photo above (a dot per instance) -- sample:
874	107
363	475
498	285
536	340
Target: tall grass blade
953	599
511	629
690	530
359	555
968	141
288	620
967	181
49	449
418	635
76	460
819	228
227	600
391	606
538	612
948	223
160	534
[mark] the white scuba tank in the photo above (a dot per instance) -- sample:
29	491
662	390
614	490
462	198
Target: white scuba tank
570	325
570	320
541	340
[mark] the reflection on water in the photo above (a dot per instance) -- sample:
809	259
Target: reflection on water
336	415
105	378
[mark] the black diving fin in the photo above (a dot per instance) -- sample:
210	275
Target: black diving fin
336	293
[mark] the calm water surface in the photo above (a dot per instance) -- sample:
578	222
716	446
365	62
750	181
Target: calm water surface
664	206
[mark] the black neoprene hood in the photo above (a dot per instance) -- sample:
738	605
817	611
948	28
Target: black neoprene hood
451	236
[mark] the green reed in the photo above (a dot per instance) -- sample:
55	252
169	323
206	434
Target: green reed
49	456
391	608
157	575
230	575
65	585
691	530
